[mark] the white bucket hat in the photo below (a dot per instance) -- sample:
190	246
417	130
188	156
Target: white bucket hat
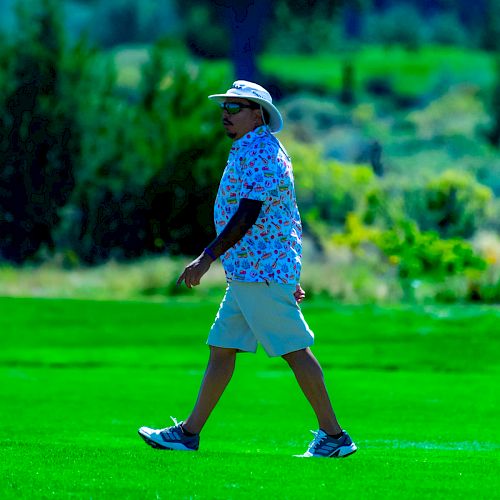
256	93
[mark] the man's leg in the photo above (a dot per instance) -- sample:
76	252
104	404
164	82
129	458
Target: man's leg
217	375
309	375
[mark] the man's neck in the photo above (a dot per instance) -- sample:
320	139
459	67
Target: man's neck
234	138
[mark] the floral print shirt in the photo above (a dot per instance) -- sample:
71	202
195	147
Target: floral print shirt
258	168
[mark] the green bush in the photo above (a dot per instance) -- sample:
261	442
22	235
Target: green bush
401	24
486	289
453	204
297	28
426	254
416	254
458	112
148	169
205	33
115	22
190	147
327	190
446	29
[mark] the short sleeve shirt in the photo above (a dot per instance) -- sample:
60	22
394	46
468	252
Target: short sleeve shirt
258	168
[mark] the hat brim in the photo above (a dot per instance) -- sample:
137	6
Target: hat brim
275	120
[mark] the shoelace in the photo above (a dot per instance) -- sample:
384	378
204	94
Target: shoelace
319	437
167	431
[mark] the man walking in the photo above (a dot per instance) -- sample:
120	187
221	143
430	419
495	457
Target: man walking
259	243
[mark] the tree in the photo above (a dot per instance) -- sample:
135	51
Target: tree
491	29
246	20
494	133
247	24
37	135
220	28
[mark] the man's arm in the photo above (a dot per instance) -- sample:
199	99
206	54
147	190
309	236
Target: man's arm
243	219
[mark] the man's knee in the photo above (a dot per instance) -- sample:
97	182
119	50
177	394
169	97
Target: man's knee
295	356
222	355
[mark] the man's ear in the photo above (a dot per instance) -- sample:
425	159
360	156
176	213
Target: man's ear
258	117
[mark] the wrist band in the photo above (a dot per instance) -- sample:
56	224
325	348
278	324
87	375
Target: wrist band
210	253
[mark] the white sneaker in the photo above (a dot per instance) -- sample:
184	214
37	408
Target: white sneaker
326	446
170	438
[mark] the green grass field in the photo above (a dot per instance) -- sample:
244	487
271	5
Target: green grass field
410	73
417	389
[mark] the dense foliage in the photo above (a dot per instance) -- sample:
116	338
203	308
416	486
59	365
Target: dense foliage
146	183
419	231
38	135
94	173
103	158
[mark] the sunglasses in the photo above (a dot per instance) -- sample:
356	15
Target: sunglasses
234	108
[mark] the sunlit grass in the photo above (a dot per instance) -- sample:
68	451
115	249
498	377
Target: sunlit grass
416	388
341	273
409	73
145	278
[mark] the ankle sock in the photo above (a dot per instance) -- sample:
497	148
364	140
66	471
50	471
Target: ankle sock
187	433
336	436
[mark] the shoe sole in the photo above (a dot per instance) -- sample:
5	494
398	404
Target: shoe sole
344	452
158	446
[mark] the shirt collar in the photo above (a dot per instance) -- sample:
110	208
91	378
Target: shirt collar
249	137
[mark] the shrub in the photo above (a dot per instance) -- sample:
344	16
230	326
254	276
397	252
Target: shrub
416	254
190	147
327	190
453	204
117	22
486	287
458	112
361	275
388	27
426	254
446	29
97	218
148	169
297	28
204	30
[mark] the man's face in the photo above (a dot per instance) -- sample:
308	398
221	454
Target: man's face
238	124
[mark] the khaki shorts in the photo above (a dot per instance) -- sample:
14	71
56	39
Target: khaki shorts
259	312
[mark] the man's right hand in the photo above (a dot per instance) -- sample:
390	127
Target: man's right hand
194	271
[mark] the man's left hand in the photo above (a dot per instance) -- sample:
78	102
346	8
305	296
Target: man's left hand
299	294
194	271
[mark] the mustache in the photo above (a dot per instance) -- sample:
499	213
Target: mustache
226	122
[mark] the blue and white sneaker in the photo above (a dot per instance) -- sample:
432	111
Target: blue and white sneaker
325	446
170	438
